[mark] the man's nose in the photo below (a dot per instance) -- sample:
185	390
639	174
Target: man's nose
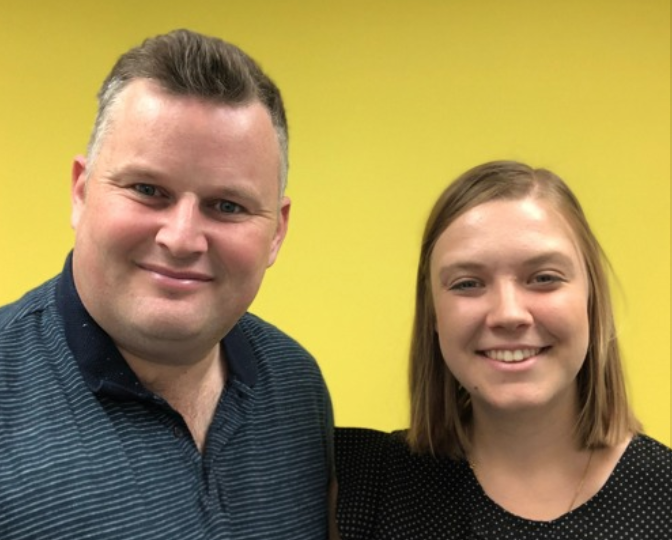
181	231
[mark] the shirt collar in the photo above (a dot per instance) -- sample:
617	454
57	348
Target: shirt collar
103	367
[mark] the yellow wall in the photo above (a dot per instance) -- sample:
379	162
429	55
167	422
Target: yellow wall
388	100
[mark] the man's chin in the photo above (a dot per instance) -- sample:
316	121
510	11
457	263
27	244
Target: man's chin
178	331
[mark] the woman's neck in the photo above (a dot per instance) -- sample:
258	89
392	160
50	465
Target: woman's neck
523	437
532	464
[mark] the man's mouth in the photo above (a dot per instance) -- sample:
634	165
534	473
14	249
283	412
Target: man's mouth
182	275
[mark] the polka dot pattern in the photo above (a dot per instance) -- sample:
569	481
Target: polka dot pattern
387	493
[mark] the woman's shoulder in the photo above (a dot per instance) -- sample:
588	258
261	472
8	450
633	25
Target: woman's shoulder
366	449
644	470
383	483
365	439
363	448
360	453
646	455
356	437
359	456
383	465
637	497
647	442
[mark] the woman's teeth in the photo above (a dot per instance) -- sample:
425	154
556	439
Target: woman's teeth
516	355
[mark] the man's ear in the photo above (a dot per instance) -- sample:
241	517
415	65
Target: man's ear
281	230
77	190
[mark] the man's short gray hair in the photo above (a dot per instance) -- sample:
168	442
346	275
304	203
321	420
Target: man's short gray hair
187	63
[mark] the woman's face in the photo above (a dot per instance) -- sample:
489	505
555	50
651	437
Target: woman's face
510	291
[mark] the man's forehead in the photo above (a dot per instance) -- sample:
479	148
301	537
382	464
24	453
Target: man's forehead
142	87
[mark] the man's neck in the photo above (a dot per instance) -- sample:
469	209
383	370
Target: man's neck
192	389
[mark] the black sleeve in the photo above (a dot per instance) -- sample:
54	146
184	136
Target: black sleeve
360	455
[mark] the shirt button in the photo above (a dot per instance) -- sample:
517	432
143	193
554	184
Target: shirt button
178	432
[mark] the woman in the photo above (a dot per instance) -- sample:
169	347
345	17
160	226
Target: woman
520	424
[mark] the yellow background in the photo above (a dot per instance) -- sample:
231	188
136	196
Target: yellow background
388	101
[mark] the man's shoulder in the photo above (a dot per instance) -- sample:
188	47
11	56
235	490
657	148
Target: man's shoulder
279	358
264	336
32	350
34	301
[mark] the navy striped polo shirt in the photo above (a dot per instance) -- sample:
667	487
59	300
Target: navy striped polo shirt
87	452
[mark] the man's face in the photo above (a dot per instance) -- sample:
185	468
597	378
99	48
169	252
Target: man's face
178	220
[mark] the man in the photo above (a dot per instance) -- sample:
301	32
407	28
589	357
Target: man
138	399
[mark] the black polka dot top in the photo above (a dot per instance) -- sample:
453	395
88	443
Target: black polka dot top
386	492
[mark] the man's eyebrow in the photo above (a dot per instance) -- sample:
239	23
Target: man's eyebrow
134	171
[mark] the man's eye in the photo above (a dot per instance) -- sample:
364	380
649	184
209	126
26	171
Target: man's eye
228	207
145	189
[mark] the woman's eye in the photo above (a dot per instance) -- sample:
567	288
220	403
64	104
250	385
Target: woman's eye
466	285
547	278
228	207
146	189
